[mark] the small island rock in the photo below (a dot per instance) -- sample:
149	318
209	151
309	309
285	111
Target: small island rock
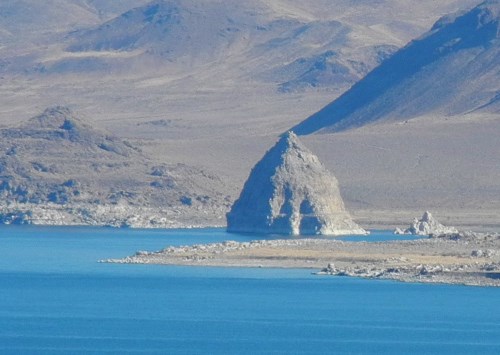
427	225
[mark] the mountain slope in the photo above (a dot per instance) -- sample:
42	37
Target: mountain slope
451	70
278	42
165	28
162	49
193	34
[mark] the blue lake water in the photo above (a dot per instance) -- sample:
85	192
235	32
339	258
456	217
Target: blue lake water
56	298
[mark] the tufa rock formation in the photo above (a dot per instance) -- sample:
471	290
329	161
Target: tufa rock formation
290	192
428	225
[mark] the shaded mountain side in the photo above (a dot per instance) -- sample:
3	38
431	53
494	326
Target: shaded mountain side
56	158
451	70
31	18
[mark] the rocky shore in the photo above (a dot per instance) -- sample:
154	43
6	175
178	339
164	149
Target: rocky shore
118	215
457	258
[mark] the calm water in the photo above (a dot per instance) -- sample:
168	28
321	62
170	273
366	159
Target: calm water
55	298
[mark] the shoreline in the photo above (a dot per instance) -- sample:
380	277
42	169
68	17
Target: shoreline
468	258
126	216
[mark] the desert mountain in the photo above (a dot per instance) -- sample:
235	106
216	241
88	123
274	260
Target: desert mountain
281	61
289	191
315	52
290	44
197	65
453	69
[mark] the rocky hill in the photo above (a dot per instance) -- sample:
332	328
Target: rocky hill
57	163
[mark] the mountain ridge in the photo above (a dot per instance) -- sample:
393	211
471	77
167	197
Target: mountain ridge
447	50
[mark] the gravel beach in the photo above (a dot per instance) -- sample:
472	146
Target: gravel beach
459	258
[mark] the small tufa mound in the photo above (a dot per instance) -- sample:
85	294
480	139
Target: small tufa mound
428	225
290	192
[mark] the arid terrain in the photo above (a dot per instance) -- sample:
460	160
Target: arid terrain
143	73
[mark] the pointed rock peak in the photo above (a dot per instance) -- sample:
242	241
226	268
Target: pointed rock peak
290	192
57	117
290	142
427	216
289	138
427	225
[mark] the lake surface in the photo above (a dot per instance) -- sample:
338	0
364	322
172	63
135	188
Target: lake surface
56	298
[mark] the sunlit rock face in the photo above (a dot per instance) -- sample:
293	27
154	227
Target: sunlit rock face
290	192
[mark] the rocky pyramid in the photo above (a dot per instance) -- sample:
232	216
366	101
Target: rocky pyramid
290	192
451	70
427	225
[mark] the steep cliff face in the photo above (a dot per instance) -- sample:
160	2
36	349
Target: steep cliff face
290	192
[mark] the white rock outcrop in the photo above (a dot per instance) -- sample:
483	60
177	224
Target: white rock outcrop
290	192
427	225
